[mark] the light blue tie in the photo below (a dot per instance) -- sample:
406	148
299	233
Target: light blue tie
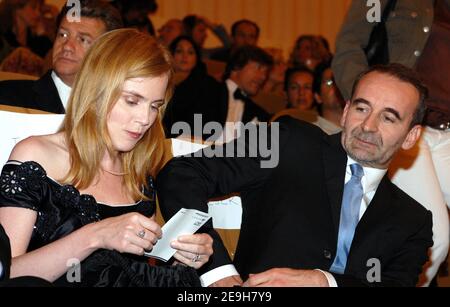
351	203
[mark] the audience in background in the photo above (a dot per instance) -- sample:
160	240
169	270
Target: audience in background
310	51
245	74
136	14
243	32
23	61
299	88
328	97
311	97
22	25
51	92
275	81
169	31
196	27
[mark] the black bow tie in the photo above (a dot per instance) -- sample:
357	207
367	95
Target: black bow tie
238	95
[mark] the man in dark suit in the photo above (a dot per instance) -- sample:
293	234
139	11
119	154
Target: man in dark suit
297	216
51	92
243	32
245	74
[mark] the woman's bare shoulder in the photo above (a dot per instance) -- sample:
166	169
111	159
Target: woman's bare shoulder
47	150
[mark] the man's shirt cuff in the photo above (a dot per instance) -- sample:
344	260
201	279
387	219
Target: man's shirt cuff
330	278
218	273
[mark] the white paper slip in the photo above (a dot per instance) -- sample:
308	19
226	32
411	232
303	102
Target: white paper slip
185	222
227	213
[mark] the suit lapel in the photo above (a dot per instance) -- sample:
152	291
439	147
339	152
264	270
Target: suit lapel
252	110
47	94
335	162
380	205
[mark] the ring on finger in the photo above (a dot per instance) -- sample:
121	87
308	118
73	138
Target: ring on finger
141	234
196	258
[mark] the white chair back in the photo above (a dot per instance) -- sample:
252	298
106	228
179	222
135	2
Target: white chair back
16	126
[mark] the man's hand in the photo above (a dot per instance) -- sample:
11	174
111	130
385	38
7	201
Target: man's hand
230	281
287	278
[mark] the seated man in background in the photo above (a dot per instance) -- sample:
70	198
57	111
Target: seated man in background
243	32
325	213
169	31
51	92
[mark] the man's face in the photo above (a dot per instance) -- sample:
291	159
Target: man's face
169	31
72	41
246	34
376	123
199	34
251	77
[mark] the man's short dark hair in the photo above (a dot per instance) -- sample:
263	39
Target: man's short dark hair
242	21
243	55
97	9
404	74
189	23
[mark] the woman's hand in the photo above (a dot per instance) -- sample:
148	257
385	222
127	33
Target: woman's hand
129	233
193	250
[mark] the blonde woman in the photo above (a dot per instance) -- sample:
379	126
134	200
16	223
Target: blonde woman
86	193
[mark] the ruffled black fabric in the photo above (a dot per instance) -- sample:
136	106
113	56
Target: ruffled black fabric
61	209
107	268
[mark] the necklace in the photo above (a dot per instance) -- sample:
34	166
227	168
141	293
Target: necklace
114	173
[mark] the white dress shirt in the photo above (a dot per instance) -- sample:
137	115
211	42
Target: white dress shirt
235	107
63	89
370	181
235	112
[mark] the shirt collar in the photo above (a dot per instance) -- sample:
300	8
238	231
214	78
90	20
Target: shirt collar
62	88
232	86
372	176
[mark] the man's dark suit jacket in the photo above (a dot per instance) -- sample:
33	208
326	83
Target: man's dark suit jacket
291	212
202	94
40	94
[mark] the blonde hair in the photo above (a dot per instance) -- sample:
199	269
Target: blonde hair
115	57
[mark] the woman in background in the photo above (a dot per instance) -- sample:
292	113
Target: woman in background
196	91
